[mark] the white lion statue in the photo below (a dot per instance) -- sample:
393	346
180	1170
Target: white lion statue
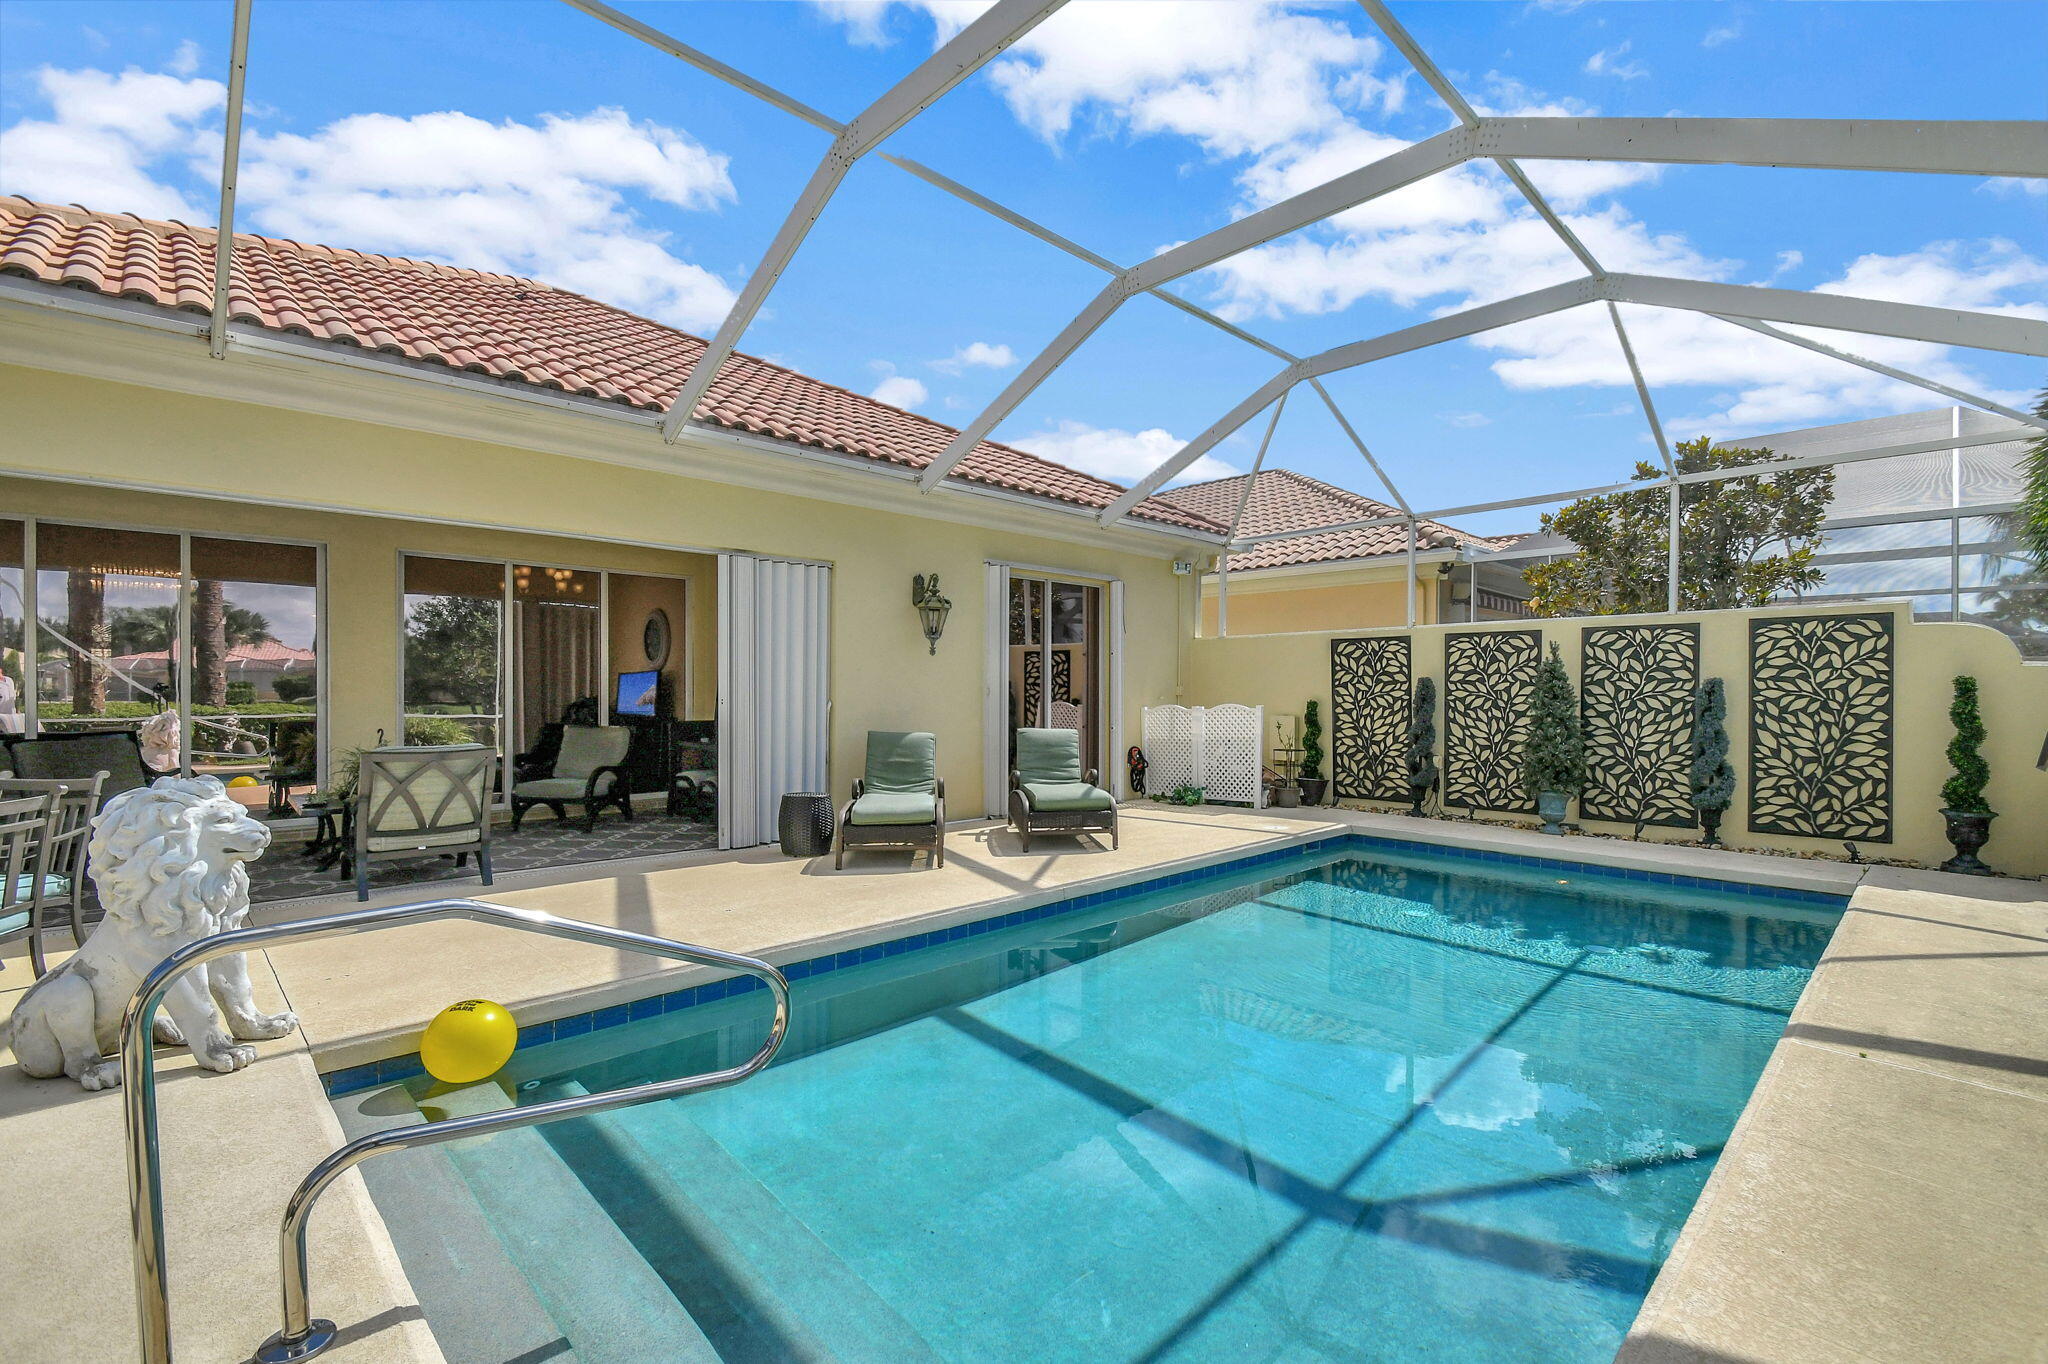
167	860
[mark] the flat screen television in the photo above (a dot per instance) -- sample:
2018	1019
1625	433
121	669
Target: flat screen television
639	693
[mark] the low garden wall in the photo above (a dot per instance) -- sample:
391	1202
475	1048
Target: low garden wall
1837	719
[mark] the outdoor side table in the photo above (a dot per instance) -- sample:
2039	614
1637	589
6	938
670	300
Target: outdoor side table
805	824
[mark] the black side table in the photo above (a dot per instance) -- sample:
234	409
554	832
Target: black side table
805	824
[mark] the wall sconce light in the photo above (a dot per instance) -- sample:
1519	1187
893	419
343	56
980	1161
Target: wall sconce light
931	607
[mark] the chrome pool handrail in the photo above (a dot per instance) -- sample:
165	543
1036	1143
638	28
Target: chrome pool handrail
302	1337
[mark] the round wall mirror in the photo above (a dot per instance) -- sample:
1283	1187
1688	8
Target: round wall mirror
654	637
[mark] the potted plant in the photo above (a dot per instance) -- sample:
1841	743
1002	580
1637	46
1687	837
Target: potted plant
1554	758
1713	780
1420	755
1310	776
1968	814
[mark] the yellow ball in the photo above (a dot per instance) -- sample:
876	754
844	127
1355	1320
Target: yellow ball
243	781
468	1042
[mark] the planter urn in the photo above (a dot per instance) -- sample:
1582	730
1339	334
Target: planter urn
1286	795
1551	807
1710	823
1312	789
1418	793
1967	833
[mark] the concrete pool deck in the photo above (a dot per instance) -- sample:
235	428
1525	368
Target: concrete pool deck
1880	1198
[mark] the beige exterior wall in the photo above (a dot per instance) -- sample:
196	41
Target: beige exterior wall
1282	671
1346	599
373	484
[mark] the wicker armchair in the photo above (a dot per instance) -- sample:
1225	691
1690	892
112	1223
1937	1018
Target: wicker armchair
589	767
900	803
1050	794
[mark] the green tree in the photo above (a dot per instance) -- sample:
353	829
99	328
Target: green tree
2029	525
146	629
1963	792
1742	541
451	652
1420	754
1311	742
1554	758
1713	780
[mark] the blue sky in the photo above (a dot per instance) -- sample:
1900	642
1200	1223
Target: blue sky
525	136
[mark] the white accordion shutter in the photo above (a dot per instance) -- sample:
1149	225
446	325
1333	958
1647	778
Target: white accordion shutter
774	693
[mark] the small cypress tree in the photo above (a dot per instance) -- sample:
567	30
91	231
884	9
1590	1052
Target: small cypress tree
1713	780
1964	791
1311	742
1420	755
1554	758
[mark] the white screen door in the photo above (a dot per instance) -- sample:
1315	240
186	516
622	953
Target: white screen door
774	695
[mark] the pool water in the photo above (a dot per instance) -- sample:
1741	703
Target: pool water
1384	1107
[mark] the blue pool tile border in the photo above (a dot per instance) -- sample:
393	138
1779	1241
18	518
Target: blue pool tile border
349	1079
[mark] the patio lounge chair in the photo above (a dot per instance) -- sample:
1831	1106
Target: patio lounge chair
1050	794
900	803
589	767
419	801
73	759
24	854
60	879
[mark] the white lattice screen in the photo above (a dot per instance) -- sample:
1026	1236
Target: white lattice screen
1212	747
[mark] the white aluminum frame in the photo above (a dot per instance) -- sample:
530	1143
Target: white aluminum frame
2014	148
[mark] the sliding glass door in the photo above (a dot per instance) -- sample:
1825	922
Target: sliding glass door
1055	658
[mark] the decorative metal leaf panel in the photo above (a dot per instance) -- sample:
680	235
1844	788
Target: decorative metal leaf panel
1369	696
1820	726
1034	688
1062	675
1488	676
1636	684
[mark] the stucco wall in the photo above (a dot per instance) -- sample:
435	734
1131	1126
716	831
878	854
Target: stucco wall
1282	671
882	675
1355	599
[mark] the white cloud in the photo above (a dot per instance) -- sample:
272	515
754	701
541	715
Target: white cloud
103	134
185	61
1788	261
2013	184
900	390
866	21
1119	456
1465	420
554	199
1613	61
1726	33
977	354
1979	275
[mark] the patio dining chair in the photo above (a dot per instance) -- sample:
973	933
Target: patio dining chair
1050	794
589	768
420	801
901	800
60	881
74	757
24	852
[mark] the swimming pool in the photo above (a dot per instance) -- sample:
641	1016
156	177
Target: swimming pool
1368	1104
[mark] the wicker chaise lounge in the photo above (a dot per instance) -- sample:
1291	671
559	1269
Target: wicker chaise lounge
900	802
1050	794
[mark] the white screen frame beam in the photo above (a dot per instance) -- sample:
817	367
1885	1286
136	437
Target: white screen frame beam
998	27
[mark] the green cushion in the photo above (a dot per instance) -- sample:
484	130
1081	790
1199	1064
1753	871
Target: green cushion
585	748
1048	755
1067	795
902	762
896	807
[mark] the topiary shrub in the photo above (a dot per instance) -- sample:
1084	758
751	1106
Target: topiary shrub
1554	757
1711	778
1311	742
1963	792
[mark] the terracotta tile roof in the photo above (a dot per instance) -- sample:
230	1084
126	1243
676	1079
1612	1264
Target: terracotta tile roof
1284	500
507	327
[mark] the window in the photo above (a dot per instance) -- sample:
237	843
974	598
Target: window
454	631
